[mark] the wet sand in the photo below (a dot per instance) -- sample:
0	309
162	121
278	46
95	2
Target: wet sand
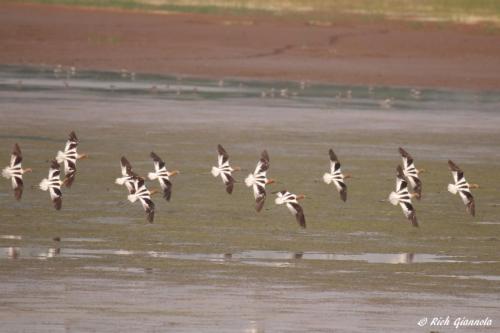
210	263
353	50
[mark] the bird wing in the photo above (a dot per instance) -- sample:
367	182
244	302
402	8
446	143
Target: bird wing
149	207
69	165
262	166
334	162
297	210
229	182
260	196
407	159
69	178
401	183
409	212
16	157
468	200
416	184
166	186
54	171
18	186
158	162
223	156
458	174
265	156
72	142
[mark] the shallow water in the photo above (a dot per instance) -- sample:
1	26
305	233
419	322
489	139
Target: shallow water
209	262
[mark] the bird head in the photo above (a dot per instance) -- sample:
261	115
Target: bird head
174	173
270	181
27	170
154	191
473	186
82	156
347	175
301	196
237	168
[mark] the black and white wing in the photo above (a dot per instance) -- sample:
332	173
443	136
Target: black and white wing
128	174
55	185
263	164
410	171
16	172
336	174
409	212
158	163
223	157
297	210
260	196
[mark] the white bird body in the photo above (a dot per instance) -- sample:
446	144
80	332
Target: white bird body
15	172
141	193
402	197
336	176
163	175
291	202
258	181
462	187
53	184
224	169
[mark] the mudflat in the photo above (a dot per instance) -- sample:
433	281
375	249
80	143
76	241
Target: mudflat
354	50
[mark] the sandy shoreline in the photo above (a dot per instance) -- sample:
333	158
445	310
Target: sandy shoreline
354	51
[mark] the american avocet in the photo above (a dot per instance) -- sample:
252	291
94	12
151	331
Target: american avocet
163	175
141	193
292	203
411	172
69	156
258	181
128	176
336	176
53	184
462	188
14	171
224	169
402	197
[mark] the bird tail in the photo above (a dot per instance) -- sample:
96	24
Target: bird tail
60	157
250	180
327	178
152	176
6	173
44	184
393	198
120	181
132	197
452	188
215	171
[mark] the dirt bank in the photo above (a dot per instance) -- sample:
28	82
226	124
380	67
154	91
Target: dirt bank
353	51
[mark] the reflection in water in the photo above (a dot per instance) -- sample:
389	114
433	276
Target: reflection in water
13	252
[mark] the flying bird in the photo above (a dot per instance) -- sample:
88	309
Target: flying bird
141	193
163	175
53	184
258	181
14	171
224	170
336	176
462	188
411	172
292	203
69	156
128	176
402	197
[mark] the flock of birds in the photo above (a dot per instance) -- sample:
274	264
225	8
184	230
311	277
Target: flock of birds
138	191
